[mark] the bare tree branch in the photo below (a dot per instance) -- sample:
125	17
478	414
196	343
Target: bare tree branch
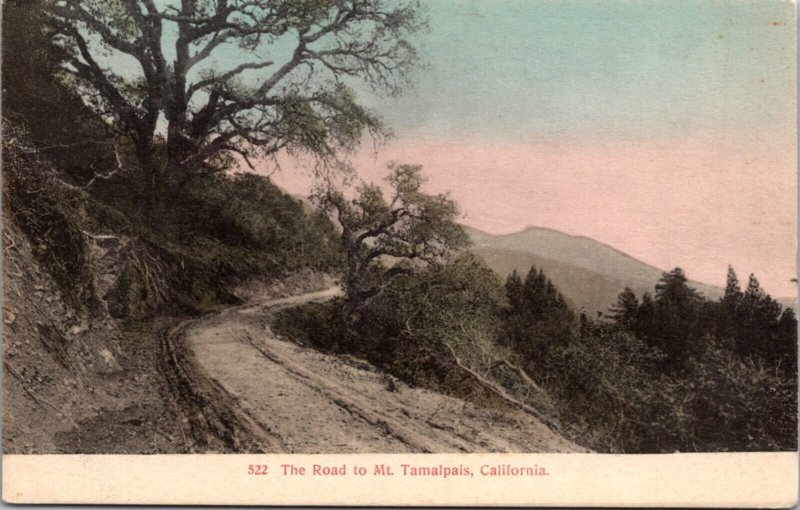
109	175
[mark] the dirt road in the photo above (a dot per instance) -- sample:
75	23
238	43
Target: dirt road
298	400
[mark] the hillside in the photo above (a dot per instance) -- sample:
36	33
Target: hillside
589	273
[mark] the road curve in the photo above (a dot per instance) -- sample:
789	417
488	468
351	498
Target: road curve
298	400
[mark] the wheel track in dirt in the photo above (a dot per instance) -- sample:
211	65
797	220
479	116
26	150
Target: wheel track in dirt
210	419
244	390
354	405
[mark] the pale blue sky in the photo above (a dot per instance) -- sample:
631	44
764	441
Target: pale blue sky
547	70
541	70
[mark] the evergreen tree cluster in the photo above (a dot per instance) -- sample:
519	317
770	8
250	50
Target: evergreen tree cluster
673	371
680	322
538	318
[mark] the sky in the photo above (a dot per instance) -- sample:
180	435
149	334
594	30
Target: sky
665	129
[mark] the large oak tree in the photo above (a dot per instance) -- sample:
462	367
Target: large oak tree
288	85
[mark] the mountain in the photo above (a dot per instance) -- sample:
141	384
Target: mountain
589	273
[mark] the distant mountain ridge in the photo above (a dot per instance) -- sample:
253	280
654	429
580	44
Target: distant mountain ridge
589	273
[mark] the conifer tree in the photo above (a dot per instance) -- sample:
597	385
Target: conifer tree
754	291
538	318
728	317
643	326
676	316
514	290
786	348
733	291
757	323
624	311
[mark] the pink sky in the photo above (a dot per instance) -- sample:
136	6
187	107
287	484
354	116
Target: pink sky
692	204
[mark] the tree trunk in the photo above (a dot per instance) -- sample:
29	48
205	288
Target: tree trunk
150	173
179	149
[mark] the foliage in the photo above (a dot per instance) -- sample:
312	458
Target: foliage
676	316
624	311
440	329
56	120
614	395
682	373
383	240
759	330
256	228
738	404
449	328
316	325
49	215
429	309
537	319
298	100
425	329
669	372
228	228
603	385
66	177
679	321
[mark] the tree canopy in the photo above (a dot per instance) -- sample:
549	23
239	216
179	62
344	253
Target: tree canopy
287	88
384	239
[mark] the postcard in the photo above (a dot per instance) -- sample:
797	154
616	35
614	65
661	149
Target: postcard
400	252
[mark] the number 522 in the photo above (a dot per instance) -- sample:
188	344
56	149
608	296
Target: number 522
257	469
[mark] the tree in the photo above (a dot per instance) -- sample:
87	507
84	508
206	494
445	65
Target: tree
645	317
733	292
514	290
383	240
758	319
673	289
729	307
624	311
676	316
258	105
786	349
538	320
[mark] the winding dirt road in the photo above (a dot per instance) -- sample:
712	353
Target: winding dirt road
298	400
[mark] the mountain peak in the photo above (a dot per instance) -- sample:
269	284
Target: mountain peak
588	272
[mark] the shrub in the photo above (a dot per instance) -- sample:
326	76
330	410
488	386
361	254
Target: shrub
49	215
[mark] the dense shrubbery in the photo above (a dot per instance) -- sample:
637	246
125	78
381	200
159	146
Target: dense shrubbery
222	230
679	321
418	327
317	325
663	376
48	215
269	230
415	327
54	116
228	228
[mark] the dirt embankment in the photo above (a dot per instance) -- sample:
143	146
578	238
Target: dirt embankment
261	393
77	382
